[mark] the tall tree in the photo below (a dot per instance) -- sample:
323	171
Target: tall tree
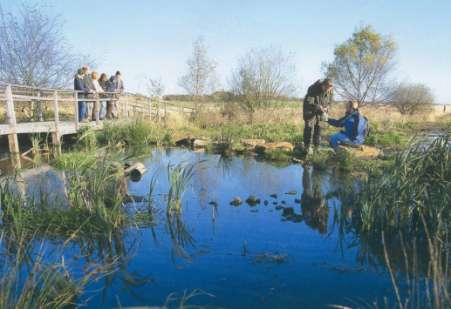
261	76
201	74
362	65
33	50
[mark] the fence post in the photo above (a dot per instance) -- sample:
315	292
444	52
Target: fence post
165	112
40	108
56	136
77	125
97	109
149	104
13	141
126	106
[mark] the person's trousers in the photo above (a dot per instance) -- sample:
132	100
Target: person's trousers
82	111
312	132
102	112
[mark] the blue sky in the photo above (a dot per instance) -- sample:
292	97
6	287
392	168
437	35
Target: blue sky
154	38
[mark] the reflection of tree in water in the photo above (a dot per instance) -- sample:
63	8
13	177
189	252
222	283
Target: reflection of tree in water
313	204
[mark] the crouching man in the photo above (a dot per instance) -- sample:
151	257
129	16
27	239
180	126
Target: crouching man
354	124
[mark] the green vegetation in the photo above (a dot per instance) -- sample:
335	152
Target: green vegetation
404	213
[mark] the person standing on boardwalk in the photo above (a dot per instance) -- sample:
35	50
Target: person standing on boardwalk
80	87
315	109
98	90
103	82
115	85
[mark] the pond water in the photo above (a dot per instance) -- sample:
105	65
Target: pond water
288	251
286	254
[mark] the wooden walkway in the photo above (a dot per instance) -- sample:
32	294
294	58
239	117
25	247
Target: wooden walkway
31	110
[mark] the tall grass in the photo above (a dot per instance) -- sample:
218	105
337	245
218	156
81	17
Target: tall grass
179	177
402	218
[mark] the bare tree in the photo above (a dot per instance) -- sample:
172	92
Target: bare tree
32	49
201	75
155	87
412	98
362	65
261	76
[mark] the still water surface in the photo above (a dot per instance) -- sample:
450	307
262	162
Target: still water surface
286	254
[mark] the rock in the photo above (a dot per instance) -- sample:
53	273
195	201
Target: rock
274	203
278	207
292	192
273	195
236	201
283	146
251	143
252	200
213	203
283	202
200	143
362	152
266	203
185	142
297	201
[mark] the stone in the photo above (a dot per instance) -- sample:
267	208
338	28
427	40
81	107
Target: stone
297	201
292	192
273	195
236	201
266	203
184	142
252	200
200	143
361	152
251	143
283	146
283	202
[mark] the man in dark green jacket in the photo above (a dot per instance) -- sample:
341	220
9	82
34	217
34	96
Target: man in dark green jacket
316	104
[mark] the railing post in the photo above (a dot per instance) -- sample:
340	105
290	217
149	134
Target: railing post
56	136
149	103
97	109
77	124
126	106
13	141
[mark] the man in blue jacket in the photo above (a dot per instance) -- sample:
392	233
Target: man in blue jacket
354	127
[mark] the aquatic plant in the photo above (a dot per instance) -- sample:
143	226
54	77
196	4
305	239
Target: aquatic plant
179	177
401	218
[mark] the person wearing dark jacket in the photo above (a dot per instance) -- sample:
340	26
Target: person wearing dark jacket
354	127
315	107
80	87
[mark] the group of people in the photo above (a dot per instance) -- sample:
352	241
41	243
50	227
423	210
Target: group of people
87	83
315	113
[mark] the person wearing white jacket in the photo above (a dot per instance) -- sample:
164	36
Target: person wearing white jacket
98	89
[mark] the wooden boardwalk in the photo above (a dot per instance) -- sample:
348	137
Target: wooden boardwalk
47	106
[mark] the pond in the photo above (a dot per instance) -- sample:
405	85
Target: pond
284	249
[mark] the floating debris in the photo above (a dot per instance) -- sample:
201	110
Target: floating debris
292	192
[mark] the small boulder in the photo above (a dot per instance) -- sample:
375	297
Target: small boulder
236	201
297	201
273	195
266	203
200	143
361	152
184	142
284	146
252	200
251	143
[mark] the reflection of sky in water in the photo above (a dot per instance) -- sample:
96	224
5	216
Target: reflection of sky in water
315	271
234	248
